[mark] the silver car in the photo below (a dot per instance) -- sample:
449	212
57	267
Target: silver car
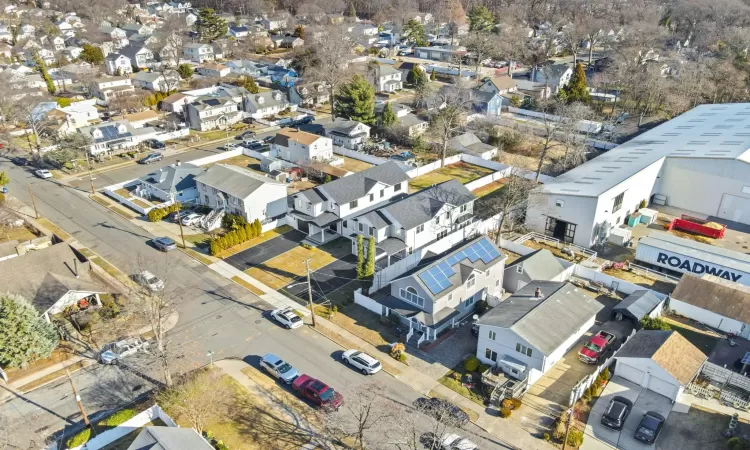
278	368
115	351
164	244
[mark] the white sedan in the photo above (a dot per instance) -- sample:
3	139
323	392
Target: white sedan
287	317
149	280
362	361
191	219
43	173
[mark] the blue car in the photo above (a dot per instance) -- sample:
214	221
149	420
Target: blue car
278	368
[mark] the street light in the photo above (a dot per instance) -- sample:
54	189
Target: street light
210	354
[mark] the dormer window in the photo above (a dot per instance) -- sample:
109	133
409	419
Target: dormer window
260	100
277	95
470	282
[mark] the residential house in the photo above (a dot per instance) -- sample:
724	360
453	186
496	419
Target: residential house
143	39
190	19
175	103
320	211
538	265
117	35
530	331
67	120
157	81
72	53
211	113
140	57
107	88
198	52
413	125
486	102
554	76
271	165
446	53
169	438
64	27
137	28
5	50
280	41
348	133
386	78
309	95
140	119
219	48
214	70
274	23
399	109
443	289
246	68
57	43
300	147
406	68
663	362
240	191
469	143
641	303
238	32
423	18
52	279
500	85
110	138
175	182
26	31
180	7
265	104
118	64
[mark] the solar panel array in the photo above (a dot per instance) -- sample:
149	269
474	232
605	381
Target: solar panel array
436	278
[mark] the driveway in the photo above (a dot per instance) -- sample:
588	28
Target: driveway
326	280
264	251
600	437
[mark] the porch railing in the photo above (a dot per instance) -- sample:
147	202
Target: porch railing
422	338
410	333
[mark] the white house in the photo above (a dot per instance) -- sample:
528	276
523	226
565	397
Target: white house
660	361
214	70
301	147
264	104
530	331
107	88
197	52
240	191
554	76
75	116
348	133
118	64
309	95
238	32
274	23
110	137
157	81
175	182
387	78
211	113
140	57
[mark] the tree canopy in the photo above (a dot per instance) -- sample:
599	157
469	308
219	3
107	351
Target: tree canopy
575	90
388	117
25	336
414	32
356	100
92	55
481	19
209	25
185	71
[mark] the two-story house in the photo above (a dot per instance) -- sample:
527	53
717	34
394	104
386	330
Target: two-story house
117	35
157	81
198	52
265	104
348	133
214	70
440	291
137	28
246	68
110	137
140	57
320	211
238	32
309	94
301	147
211	113
486	102
118	64
553	76
105	89
67	120
386	78
239	191
274	23
501	85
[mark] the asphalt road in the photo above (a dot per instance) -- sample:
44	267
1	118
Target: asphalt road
214	315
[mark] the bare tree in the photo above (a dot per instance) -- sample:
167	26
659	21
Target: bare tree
367	411
481	45
448	119
199	398
423	427
510	203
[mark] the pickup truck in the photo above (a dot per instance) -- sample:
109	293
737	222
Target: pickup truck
319	393
596	347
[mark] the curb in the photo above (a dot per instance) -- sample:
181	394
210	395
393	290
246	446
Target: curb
55	379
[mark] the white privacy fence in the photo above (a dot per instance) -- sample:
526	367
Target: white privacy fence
109	436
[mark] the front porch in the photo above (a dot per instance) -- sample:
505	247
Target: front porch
317	235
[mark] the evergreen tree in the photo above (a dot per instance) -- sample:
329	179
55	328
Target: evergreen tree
432	75
24	335
299	31
481	19
249	84
351	12
360	257
92	55
258	227
575	90
4	179
356	101
42	68
416	77
370	267
209	25
185	71
414	32
388	117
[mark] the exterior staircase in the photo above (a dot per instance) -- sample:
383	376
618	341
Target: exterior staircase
213	219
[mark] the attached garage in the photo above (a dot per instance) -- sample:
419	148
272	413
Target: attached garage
661	361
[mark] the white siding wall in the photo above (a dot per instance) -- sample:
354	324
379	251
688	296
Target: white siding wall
505	343
651	369
578	210
706	317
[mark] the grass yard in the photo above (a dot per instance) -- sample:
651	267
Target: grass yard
244	161
355	165
54	229
287	267
268	235
110	269
60	354
198	239
345	343
487	189
247	286
21	234
555	250
211	135
448	380
366	325
141	203
701	339
460	171
635	278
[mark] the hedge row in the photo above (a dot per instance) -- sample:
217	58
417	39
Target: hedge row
112	421
157	214
236	237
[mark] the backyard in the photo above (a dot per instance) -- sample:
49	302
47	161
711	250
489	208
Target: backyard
490	188
355	165
461	171
287	267
244	161
641	280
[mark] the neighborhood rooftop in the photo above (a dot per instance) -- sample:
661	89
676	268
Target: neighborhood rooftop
355	186
233	180
716	295
669	349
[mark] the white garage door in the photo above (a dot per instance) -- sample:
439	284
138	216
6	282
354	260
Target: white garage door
736	209
630	373
663	387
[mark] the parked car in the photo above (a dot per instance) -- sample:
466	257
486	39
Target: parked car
155	143
248	120
149	280
268	139
191	219
19	161
362	361
319	393
650	427
245	135
151	157
43	174
278	368
172	217
597	346
164	244
447	442
616	413
306	120
438	407
115	351
228	146
287	317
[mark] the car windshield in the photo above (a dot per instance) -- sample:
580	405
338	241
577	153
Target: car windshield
593	347
284	367
167	241
294	318
646	431
152	280
327	394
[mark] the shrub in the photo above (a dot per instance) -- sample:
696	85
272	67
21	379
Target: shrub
249	230
506	404
117	418
559	431
505	413
737	443
483	368
648	323
516	403
546	437
481	307
80	438
214	248
306	246
643	204
109	309
472	364
402	357
605	374
575	438
232	221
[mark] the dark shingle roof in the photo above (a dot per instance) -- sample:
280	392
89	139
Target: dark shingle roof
173	178
638	304
716	295
424	205
355	186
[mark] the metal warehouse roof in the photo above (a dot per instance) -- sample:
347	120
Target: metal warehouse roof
697	250
720	131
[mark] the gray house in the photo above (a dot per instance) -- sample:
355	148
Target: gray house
444	288
469	143
539	265
174	182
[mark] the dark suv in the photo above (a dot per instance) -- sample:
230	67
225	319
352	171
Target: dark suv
650	427
616	413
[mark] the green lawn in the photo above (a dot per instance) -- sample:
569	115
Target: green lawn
491	188
461	171
474	394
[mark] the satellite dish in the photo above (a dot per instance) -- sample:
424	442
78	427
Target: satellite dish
475	316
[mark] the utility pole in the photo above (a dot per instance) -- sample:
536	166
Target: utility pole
309	291
33	202
179	222
567	427
78	399
91	178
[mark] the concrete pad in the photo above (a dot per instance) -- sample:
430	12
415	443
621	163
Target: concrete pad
628	442
617	387
651	401
600	432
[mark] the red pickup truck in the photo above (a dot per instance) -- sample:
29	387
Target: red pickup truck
596	347
317	392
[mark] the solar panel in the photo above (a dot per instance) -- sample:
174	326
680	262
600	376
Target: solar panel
446	269
490	252
471	253
435	285
746	358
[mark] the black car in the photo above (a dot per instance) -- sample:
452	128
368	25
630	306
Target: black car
153	143
306	119
268	139
248	120
245	135
442	410
616	413
650	427
20	161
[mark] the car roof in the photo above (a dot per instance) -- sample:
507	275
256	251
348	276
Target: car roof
271	358
367	358
165	239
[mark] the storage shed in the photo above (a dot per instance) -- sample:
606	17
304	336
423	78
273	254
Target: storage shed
638	305
539	265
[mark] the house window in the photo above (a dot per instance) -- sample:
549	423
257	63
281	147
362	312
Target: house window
308	207
618	203
344	224
497	283
490	354
492	335
470	282
450	296
397	187
353	204
420	228
520	348
559	203
361	228
519	269
372	231
410	295
469	301
442	234
464	208
372	197
382	193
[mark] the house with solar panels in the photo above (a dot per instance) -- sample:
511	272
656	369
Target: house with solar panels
212	113
110	137
443	289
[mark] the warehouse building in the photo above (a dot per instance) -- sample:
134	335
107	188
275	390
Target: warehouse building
697	162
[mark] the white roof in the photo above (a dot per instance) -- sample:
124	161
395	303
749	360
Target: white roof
697	250
720	131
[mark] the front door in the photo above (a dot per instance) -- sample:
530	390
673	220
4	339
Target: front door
416	324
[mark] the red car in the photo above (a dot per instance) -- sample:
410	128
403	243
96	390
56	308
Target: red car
318	392
596	347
